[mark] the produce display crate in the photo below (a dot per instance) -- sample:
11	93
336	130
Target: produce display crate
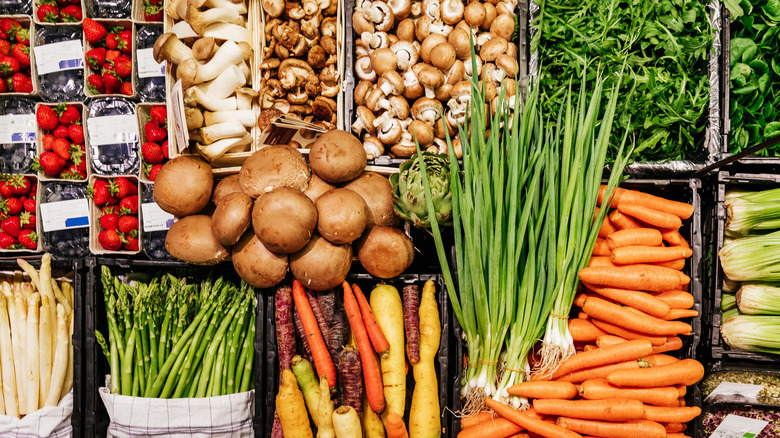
137	13
37	3
444	370
94	221
142	113
683	190
26	21
730	179
38	222
109	24
39	136
96	367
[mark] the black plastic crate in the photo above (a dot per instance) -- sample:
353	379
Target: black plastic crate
444	370
96	367
727	179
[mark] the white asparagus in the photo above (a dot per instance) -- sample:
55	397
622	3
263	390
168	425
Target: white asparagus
21	356
7	359
67	290
44	343
66	387
2	400
61	358
45	288
30	270
17	342
61	298
27	290
33	377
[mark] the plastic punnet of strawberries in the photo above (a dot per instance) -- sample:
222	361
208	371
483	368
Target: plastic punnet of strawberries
17	212
59	11
153	10
117	199
14	57
110	60
64	155
155	149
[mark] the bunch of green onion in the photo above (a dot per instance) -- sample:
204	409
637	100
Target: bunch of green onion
172	339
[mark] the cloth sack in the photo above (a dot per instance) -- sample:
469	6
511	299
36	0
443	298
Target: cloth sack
51	421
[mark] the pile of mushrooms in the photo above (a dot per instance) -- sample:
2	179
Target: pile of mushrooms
413	61
210	47
299	66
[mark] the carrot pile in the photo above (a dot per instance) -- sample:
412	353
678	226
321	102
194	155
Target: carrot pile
630	312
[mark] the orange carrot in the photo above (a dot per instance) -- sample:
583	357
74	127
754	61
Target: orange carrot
582	315
673	343
677	435
520	435
625	333
600	372
686	372
629	318
544	389
378	339
607	429
677	265
535	425
622	222
375	392
589	347
679	209
674	238
319	351
650	216
640	277
601	261
674	427
607	340
637	299
670	414
606	227
610	409
597	389
473	420
583	330
604	356
681	313
631	255
395	427
493	428
601	248
676	299
682	389
634	236
681	402
658	360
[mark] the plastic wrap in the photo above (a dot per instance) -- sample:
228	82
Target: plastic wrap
149	89
121	158
69	243
108	8
154	241
17	156
16	7
66	85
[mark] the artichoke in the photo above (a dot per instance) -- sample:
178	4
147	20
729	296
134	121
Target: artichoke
409	194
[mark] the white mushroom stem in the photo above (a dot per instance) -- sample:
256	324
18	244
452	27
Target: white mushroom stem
482	39
225	84
229	31
440	28
194	95
429	92
359	126
384	120
183	30
373	148
200	20
244	98
410	79
468	66
245	117
228	54
239	6
213	133
245	69
221	147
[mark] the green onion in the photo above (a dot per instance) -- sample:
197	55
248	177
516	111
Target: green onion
758	299
752	258
752	333
753	211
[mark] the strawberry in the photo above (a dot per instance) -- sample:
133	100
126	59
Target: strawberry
159	115
121	187
166	153
5	47
125	43
11	206
129	205
69	114
7	241
127	224
78	156
71	14
111	82
21	83
152	153
110	209
9	27
93	31
9	66
123	66
109	221
48	141
33	191
5	188
3	86
20	185
110	240
22	54
12	226
73	172
46	117
28	239
126	88
48	13
29	205
61	131
23	36
154	132
95	84
49	163
154	171
76	133
112	41
152	12
27	220
130	244
61	147
112	55
96	57
99	193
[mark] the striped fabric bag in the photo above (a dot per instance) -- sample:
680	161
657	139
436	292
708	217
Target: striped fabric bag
48	422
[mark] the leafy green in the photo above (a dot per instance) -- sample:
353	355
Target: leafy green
665	45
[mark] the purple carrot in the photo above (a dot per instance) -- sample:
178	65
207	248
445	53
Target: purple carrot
351	375
412	322
327	301
339	330
317	310
301	335
277	432
285	331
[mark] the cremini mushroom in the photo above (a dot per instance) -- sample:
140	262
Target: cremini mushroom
412	87
360	23
380	15
405	53
361	91
389	132
459	39
391	83
490	14
507	64
443	56
422	132
401	8
405	30
430	77
373	147
428	44
364	69
427	110
405	147
364	121
474	14
383	60
492	49
503	26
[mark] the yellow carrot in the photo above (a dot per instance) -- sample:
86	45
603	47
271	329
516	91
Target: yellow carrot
424	416
388	309
346	423
325	411
290	406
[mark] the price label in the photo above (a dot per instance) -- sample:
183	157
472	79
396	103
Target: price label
112	129
736	392
147	66
17	128
155	218
54	57
64	215
734	426
179	118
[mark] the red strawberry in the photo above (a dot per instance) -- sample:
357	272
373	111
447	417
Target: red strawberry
109	221
77	155
33	191
153	12
28	220
95	84
166	153
110	209
7	241
131	244
154	132
23	36
125	43
9	66
152	153
47	141
159	115
47	118
111	82
11	206
5	188
123	66
96	57
154	171
49	163
93	31
121	187
127	224
20	185
28	239
61	131
3	86
9	27
112	55
21	83
12	226
22	54
29	205
112	41
5	47
48	13
76	133
73	172
69	114
71	14
100	194
126	88
110	240
61	147
129	205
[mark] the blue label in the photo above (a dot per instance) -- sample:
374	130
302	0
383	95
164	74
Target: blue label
77	221
70	63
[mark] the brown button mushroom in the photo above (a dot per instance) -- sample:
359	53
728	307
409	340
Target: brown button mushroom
412	87
373	147
405	30
508	65
474	14
399	106
427	110
380	15
401	9
422	132
364	69
459	39
337	156
443	56
391	83
456	73
364	122
383	60
430	77
492	49
503	26
451	11
428	44
490	15
389	132
405	53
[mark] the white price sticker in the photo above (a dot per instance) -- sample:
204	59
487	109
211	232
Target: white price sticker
64	215
112	129
155	218
147	66
178	117
54	57
736	392
17	128
734	426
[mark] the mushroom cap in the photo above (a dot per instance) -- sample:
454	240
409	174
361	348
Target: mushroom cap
490	15
474	14
456	73
459	40
399	106
405	53
503	26
422	131
451	11
428	44
383	60
462	88
492	49
391	132
430	76
443	56
508	64
337	156
427	109
405	30
272	167
442	92
367	118
373	98
395	80
361	91
401	8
